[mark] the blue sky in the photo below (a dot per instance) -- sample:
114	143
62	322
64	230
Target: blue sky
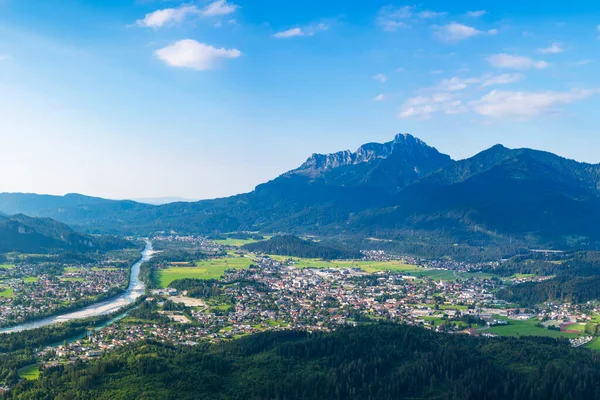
200	99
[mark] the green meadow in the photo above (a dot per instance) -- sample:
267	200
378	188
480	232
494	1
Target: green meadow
379	266
206	269
30	372
527	328
6	292
594	344
71	279
235	242
7	266
239	242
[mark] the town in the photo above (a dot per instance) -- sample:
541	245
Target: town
31	289
274	293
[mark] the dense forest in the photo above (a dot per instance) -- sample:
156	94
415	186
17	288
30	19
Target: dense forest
563	289
371	362
584	263
577	278
25	234
295	247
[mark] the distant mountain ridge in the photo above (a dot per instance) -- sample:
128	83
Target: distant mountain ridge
40	235
402	189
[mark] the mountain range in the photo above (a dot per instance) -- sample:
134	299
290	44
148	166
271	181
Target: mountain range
402	189
26	234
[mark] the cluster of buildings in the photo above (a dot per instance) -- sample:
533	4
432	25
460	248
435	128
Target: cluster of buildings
277	295
35	292
274	295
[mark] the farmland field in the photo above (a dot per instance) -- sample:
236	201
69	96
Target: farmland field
71	279
527	328
6	292
30	372
206	269
6	266
235	242
367	266
31	279
377	266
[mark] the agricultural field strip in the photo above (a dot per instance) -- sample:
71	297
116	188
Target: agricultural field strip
215	268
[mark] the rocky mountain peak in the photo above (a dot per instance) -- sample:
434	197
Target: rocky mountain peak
405	148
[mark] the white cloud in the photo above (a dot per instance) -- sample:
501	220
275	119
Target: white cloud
310	30
380	77
390	18
379	97
219	7
525	105
510	61
424	106
581	63
455	32
160	18
289	33
431	14
189	53
455	84
555	48
476	14
502	79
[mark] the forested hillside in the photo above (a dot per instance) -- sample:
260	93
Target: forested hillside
377	362
295	247
575	279
40	235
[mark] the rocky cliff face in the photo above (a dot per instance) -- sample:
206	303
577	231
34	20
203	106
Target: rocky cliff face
403	155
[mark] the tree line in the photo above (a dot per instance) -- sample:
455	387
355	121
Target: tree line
371	362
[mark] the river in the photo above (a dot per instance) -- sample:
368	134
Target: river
135	289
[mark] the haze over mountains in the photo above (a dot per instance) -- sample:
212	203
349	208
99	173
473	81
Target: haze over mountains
402	189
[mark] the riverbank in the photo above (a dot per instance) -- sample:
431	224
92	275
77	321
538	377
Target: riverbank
135	289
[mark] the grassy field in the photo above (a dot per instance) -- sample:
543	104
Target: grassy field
206	269
522	276
31	279
377	266
367	266
576	327
527	328
239	242
436	320
6	292
30	372
235	242
6	266
594	344
71	279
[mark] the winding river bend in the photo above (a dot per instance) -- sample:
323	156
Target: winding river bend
135	289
